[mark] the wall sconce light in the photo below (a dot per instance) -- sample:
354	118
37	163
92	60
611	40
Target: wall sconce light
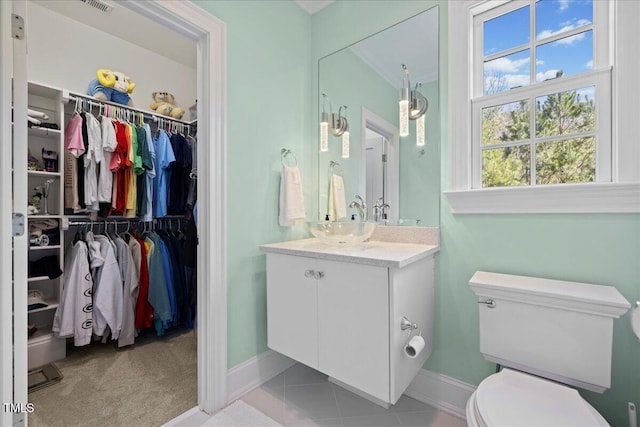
412	105
339	126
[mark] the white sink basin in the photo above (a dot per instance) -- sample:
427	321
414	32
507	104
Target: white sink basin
338	233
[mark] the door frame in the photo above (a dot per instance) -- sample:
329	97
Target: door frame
6	208
391	133
209	33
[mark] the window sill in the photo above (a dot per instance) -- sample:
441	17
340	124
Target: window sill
563	198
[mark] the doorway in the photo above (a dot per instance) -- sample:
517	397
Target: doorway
380	175
210	36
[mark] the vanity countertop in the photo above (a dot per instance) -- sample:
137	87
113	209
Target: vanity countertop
382	254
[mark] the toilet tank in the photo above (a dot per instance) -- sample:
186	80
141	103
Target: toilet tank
551	328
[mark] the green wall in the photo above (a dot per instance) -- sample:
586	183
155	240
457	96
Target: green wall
268	108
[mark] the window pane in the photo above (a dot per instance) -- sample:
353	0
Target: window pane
506	31
557	16
568	161
505	123
565	57
507	72
506	167
567	112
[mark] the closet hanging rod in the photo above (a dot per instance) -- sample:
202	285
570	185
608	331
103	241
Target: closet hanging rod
122	221
97	103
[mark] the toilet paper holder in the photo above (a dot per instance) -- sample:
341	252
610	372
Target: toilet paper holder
407	324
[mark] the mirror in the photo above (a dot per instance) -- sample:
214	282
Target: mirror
382	167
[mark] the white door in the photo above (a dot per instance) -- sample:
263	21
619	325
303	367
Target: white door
353	325
13	199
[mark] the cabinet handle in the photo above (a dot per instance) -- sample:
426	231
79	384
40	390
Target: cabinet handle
318	274
309	273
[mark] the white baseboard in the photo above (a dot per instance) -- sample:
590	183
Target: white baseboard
254	372
441	391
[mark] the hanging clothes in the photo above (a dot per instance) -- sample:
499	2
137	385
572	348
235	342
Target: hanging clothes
149	165
107	294
92	158
180	171
74	315
108	145
143	309
164	158
75	147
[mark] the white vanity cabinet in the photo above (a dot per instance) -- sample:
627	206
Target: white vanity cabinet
342	316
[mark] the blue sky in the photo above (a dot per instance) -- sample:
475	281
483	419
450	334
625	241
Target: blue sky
572	54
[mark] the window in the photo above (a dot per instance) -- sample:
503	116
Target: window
534	131
542	99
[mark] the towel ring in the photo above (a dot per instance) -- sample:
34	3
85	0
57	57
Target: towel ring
284	153
335	168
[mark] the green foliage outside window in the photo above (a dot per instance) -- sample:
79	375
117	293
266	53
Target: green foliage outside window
557	160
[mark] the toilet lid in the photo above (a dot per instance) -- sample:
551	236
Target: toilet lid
511	398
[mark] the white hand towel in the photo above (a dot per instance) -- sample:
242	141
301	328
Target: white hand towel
337	200
291	198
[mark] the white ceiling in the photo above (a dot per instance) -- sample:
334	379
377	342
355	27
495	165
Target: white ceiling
312	6
129	26
413	42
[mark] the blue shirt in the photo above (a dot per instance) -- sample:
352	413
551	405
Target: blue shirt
162	164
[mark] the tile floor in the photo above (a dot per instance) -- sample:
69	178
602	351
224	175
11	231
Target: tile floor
301	396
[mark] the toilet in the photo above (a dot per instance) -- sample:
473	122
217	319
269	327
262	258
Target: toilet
548	336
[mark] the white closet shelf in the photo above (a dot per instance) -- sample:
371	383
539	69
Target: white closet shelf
44	173
43	333
43	248
44	216
54	134
38	279
51	305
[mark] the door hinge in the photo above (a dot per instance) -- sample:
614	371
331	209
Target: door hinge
17	26
17	222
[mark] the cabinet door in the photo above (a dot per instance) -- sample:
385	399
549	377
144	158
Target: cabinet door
292	313
353	325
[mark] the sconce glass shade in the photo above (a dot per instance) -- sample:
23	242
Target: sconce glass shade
324	132
420	136
404	116
345	145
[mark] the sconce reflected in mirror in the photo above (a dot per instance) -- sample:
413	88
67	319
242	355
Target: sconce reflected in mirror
412	105
339	126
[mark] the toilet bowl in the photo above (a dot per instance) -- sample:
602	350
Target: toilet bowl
511	398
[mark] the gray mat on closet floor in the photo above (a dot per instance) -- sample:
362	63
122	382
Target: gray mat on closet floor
145	385
42	377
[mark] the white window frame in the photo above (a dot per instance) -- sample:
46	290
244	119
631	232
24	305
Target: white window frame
618	186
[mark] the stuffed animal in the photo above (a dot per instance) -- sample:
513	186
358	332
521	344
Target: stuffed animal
164	103
111	86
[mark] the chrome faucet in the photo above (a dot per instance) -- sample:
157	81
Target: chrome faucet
361	207
379	210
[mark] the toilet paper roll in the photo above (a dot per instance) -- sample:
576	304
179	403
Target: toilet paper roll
414	347
635	320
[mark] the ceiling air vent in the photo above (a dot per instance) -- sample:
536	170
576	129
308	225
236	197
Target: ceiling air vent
102	6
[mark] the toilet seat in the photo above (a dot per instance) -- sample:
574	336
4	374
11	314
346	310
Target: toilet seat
511	398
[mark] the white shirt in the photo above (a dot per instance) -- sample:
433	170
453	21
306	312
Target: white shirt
73	316
108	146
107	293
91	160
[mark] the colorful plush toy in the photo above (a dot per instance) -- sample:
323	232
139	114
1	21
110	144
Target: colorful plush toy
164	103
111	86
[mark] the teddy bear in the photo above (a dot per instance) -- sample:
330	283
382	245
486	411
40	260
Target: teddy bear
164	104
111	86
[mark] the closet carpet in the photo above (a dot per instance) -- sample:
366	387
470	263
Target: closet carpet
145	385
